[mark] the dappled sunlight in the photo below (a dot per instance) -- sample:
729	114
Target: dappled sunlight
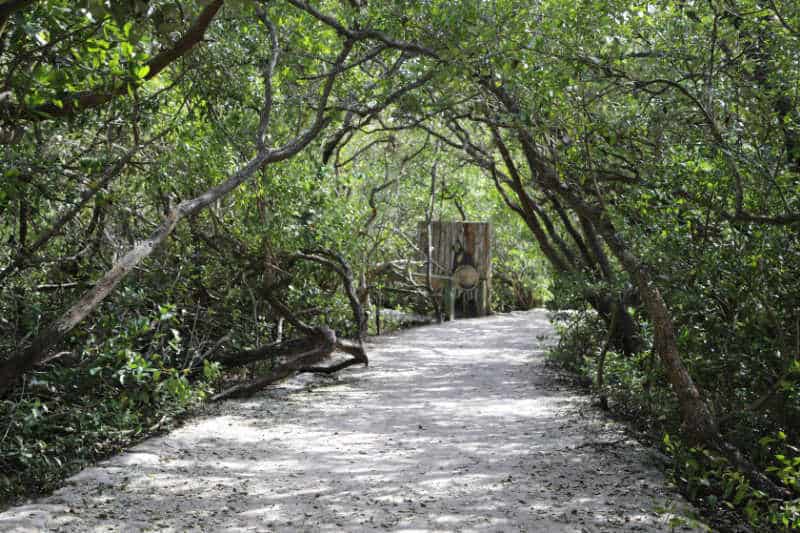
451	428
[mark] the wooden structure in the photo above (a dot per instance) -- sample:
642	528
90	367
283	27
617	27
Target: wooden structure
461	265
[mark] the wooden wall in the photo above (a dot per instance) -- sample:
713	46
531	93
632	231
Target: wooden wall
454	243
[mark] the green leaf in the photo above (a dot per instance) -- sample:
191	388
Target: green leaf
127	49
706	166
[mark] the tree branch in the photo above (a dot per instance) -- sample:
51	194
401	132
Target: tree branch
37	351
78	102
405	46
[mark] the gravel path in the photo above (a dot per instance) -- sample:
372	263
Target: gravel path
457	427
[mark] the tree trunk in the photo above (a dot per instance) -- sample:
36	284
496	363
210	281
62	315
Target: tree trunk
698	420
601	359
37	352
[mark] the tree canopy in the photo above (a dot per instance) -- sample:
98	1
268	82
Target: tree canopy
185	182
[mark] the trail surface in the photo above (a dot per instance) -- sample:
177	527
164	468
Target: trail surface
458	427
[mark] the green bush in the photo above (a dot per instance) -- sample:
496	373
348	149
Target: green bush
70	415
708	478
637	389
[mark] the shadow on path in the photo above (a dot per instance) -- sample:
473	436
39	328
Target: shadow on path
454	427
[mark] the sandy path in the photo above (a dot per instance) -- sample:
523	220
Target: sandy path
453	428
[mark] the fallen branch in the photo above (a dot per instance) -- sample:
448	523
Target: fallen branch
336	262
354	348
22	361
329	369
284	366
273	351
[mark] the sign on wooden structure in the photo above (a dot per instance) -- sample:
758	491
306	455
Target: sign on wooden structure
461	264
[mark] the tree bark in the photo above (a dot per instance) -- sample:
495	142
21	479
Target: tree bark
601	360
316	347
356	349
277	351
338	264
625	331
699	423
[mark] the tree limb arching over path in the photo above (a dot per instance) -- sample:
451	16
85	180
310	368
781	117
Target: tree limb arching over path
456	427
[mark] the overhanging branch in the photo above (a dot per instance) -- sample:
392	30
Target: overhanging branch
77	102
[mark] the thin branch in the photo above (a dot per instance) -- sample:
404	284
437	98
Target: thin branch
411	48
37	351
384	140
85	100
788	27
111	172
269	70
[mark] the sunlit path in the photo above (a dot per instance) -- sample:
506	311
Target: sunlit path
453	428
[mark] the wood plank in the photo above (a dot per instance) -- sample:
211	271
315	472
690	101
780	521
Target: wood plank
444	259
487	250
482	299
449	302
470	231
442	248
477	247
421	239
453	235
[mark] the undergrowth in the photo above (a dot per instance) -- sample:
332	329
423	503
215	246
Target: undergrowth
638	392
113	390
69	415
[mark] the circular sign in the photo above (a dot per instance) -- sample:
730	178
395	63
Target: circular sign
466	276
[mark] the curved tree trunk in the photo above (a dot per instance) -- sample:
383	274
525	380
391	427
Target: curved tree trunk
38	350
698	420
699	423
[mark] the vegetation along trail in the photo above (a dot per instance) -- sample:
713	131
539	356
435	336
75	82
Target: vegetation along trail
457	427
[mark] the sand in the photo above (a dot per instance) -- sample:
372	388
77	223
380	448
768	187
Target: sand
454	427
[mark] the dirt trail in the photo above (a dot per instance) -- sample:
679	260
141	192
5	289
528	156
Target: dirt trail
456	427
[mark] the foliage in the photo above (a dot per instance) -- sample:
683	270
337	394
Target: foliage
111	396
101	136
521	277
709	479
578	335
640	163
638	391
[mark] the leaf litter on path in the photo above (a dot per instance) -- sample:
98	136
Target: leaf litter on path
454	427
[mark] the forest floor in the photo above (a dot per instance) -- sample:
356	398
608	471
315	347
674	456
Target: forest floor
454	427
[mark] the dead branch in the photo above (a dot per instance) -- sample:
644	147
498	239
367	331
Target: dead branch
338	264
317	346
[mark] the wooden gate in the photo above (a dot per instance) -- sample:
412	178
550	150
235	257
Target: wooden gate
461	257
